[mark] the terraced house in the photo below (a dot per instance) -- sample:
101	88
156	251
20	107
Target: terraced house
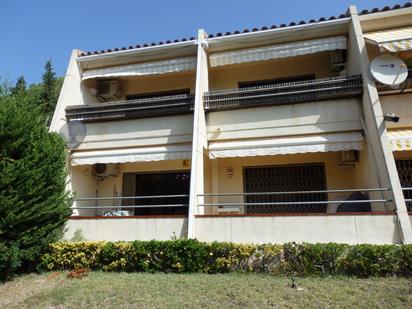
263	135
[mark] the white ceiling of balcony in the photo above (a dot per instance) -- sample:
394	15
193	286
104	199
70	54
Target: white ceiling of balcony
277	51
400	140
147	68
143	154
391	40
286	145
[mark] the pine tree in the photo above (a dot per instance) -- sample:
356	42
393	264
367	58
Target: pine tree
20	86
34	204
49	95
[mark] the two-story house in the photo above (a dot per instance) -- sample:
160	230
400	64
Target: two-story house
264	135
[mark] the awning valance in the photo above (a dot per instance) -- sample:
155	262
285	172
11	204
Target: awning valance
143	154
277	51
286	145
391	40
146	68
400	140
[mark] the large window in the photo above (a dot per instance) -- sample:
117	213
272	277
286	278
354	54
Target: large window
281	80
156	184
151	95
285	178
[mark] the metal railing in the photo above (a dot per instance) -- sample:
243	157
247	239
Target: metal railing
285	93
295	201
407	194
128	109
120	205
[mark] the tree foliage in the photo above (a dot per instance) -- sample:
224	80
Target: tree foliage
34	204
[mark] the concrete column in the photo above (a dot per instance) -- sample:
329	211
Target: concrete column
375	126
199	141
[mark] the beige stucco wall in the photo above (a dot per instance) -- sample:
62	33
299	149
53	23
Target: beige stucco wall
227	77
400	104
128	229
138	132
313	229
291	119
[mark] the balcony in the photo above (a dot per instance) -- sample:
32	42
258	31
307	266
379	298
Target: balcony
285	93
132	109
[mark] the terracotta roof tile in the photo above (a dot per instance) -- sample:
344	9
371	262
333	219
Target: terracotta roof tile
227	33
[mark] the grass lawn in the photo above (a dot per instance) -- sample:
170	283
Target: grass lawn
142	290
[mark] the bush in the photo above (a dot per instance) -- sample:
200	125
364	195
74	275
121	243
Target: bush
34	205
183	256
178	256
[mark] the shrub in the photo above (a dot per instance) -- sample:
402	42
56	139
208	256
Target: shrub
33	202
189	255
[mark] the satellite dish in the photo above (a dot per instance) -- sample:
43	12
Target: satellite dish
389	70
73	133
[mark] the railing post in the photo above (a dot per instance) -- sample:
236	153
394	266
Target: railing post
377	137
199	141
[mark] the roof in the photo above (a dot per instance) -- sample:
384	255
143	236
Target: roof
228	33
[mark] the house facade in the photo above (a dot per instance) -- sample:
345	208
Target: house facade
266	135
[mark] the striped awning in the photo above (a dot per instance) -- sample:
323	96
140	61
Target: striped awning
129	155
277	51
400	140
145	68
393	40
286	145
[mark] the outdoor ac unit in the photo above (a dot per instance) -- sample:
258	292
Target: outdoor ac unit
108	90
349	158
105	170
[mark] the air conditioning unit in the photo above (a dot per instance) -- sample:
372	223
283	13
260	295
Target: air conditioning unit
104	170
108	90
349	158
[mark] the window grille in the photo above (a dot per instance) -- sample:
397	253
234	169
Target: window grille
404	168
285	178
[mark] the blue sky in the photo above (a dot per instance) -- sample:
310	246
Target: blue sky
32	31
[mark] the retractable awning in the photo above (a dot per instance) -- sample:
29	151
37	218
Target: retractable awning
277	51
146	68
400	140
391	40
143	154
286	145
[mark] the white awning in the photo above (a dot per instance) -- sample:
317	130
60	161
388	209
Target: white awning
391	40
400	140
286	145
143	154
277	51
146	68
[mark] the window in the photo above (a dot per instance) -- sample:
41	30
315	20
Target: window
285	178
154	184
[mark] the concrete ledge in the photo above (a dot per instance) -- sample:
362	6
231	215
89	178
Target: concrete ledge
351	229
127	229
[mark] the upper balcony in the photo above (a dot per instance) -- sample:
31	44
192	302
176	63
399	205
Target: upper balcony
272	94
153	106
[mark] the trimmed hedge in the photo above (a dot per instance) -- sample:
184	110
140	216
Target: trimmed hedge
189	255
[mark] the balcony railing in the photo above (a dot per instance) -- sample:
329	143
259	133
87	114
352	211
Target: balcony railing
297	202
130	109
128	206
285	93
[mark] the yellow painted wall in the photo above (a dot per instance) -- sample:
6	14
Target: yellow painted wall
227	77
401	105
85	185
337	177
151	83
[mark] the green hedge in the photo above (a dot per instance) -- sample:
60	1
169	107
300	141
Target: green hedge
190	255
